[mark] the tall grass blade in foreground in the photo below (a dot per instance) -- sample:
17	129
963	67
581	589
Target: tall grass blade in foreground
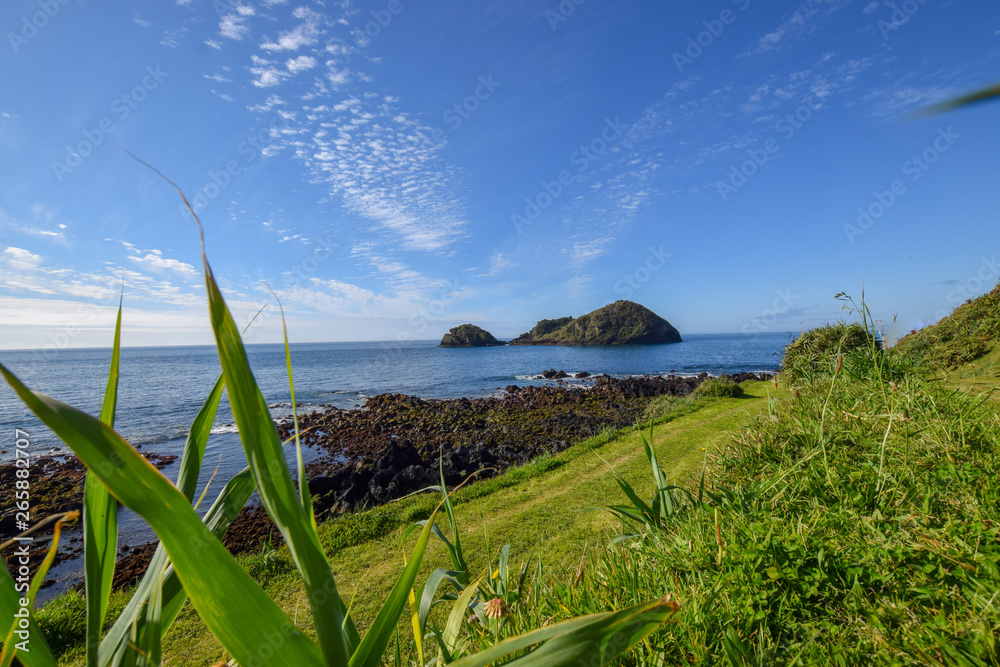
273	480
300	466
595	639
219	588
26	635
158	578
100	519
975	97
155	581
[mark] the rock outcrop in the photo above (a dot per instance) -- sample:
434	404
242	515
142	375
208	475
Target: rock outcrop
469	335
619	323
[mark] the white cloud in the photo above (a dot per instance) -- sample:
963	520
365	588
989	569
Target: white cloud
801	23
386	167
500	262
234	26
582	253
300	64
266	75
269	104
172	38
155	260
306	33
19	259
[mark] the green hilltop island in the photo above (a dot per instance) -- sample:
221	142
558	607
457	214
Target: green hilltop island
618	323
469	335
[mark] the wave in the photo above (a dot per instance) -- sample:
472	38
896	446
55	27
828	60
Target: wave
570	375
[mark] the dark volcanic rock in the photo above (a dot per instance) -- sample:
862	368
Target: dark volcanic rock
619	323
392	446
469	335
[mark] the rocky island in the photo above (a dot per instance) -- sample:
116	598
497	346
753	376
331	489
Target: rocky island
469	335
619	323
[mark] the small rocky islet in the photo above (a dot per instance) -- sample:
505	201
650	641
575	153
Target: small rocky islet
469	335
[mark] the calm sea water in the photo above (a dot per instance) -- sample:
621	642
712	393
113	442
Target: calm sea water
162	389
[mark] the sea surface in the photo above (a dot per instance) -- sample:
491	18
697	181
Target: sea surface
161	389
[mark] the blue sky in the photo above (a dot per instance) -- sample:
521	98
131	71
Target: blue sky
393	168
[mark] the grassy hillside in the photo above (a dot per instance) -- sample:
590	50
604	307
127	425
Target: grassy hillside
961	350
969	333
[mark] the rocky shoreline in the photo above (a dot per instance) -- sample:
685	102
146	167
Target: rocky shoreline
391	447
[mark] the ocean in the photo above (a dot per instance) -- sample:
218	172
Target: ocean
161	389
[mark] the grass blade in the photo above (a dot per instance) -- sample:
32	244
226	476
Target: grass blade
982	95
457	616
219	588
273	480
152	631
40	654
304	496
429	592
373	646
187	481
10	647
595	639
100	520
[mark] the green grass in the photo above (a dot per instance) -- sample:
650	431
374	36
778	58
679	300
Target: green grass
817	350
719	388
966	335
981	376
888	553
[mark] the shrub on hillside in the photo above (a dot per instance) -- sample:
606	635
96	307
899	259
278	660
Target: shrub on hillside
719	388
816	350
665	406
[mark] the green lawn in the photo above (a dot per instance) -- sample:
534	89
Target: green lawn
977	377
